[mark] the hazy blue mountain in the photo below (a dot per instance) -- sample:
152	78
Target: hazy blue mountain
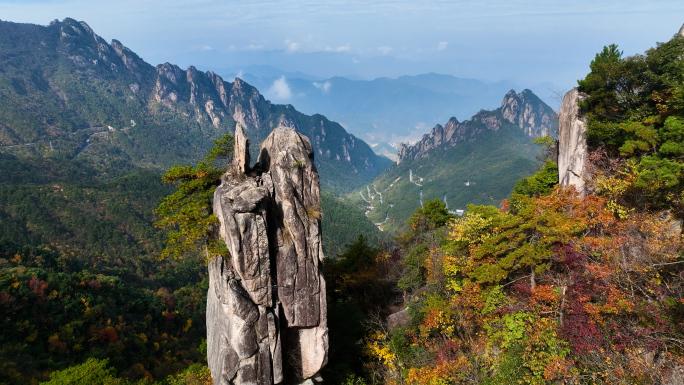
257	73
321	64
384	110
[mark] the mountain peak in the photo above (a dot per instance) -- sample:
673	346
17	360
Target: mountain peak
524	110
80	27
528	112
87	83
86	27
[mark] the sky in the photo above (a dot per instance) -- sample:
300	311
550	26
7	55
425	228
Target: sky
525	41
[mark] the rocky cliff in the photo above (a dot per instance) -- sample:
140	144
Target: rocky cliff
525	110
528	112
266	309
572	145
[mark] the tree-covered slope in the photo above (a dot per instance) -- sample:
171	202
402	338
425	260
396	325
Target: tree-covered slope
80	277
555	286
343	222
477	161
113	218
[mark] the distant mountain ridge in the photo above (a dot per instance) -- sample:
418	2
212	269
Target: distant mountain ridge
61	80
477	161
525	110
383	110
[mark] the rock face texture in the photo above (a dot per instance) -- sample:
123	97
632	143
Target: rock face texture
266	310
398	319
572	144
528	112
524	110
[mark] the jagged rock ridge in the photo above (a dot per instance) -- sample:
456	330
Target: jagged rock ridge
525	110
64	78
266	309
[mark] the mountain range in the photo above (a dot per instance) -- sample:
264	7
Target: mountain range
86	129
477	161
383	110
68	94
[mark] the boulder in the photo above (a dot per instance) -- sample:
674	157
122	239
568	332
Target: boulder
398	319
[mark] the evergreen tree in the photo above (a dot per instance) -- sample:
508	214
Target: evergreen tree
188	211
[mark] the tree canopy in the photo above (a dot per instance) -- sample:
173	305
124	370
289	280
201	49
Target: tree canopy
188	211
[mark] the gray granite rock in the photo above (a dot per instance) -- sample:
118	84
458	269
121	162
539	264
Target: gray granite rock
572	144
398	319
241	150
272	285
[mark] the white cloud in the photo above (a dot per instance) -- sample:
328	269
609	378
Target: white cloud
442	45
280	90
325	86
385	49
254	47
342	48
291	45
239	74
205	48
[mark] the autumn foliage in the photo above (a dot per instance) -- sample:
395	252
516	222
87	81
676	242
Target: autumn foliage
557	287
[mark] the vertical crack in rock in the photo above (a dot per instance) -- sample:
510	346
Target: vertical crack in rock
266	310
572	144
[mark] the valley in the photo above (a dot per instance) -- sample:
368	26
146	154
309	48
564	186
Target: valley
476	162
508	244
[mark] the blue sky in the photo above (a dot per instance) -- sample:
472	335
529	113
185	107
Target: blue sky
528	41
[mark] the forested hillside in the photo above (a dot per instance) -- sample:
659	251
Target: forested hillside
554	286
477	161
343	222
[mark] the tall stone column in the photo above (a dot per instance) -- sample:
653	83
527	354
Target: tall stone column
572	144
266	309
